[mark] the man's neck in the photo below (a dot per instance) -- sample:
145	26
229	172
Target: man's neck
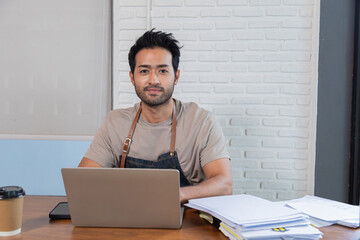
156	114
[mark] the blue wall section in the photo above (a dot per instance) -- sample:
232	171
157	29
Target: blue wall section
36	165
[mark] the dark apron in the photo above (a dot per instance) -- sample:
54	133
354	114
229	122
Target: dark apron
168	160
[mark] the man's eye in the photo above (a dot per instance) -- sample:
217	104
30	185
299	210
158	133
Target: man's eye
144	71
163	71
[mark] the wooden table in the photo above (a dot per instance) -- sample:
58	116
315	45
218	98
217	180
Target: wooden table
37	225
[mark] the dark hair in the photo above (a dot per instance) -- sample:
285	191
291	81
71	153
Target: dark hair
153	39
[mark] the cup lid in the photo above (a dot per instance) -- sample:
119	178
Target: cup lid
11	192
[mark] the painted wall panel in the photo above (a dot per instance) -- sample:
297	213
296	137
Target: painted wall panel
36	164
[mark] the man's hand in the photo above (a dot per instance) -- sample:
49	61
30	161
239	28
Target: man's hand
218	182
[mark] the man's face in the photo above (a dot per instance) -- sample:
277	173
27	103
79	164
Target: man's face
154	76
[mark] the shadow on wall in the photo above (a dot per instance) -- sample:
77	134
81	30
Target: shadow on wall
36	165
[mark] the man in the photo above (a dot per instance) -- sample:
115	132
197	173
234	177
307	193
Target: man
161	132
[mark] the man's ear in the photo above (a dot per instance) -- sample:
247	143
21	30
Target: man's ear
177	76
131	75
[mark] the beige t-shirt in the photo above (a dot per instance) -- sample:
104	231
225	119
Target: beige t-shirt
199	139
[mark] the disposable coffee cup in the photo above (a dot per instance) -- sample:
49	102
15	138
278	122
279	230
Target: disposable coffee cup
11	210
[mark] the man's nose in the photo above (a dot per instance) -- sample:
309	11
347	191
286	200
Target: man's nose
153	78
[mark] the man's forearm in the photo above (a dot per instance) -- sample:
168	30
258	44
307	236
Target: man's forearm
85	162
215	186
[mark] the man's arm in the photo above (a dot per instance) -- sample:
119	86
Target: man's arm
85	162
218	182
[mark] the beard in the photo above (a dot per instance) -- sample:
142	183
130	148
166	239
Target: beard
152	100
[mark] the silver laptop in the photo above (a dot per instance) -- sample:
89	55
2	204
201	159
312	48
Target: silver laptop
123	197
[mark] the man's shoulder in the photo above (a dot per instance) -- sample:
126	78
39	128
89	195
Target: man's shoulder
191	110
122	113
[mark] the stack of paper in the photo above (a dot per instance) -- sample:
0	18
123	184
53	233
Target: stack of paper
324	212
293	233
249	217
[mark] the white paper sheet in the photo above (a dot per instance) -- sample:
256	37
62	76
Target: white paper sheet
243	208
325	209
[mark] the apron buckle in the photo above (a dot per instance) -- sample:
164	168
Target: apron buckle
127	145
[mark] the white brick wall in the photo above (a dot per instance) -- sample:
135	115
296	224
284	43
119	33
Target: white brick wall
253	63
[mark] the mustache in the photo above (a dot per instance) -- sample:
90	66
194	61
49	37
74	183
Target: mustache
154	86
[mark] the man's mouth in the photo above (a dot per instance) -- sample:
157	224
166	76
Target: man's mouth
153	90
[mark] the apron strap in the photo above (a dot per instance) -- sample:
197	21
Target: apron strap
173	132
128	140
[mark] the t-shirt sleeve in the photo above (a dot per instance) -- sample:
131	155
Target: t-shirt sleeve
215	147
100	149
